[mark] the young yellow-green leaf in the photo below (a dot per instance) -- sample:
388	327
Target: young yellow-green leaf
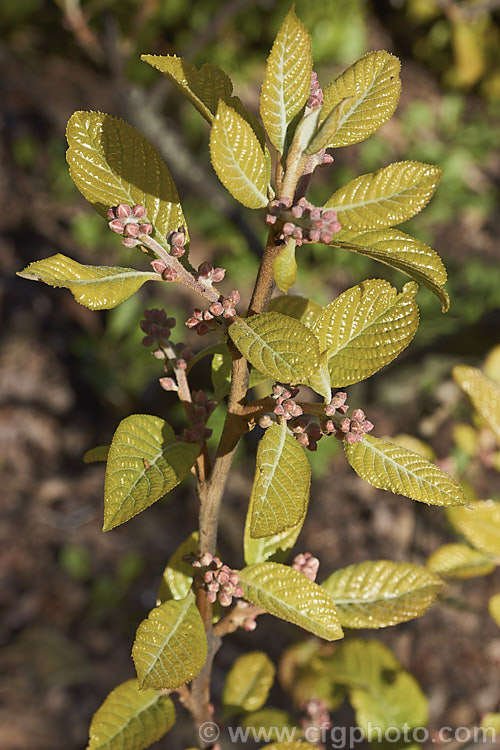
383	694
111	163
366	328
131	718
281	486
178	575
170	646
279	346
248	682
479	523
284	592
414	444
287	83
491	722
203	88
319	380
285	267
328	128
390	467
221	375
94	455
402	252
301	308
460	561
379	593
494	608
483	393
96	287
238	158
373	83
385	198
274	547
145	462
274	721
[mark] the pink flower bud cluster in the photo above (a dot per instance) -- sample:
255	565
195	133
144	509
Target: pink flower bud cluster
303	222
316	95
130	222
219	581
316	715
157	327
167	272
308	436
352	429
250	623
176	238
202	321
209	275
285	405
202	407
307	564
184	354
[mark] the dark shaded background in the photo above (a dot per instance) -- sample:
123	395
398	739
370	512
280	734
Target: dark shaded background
72	597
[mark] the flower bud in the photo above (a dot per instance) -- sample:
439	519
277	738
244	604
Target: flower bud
123	211
168	384
265	421
218	274
139	212
169	274
132	230
206	270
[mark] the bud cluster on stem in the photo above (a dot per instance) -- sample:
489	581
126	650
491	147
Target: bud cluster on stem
303	221
220	582
204	321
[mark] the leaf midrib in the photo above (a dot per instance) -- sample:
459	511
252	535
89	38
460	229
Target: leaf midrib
170	634
127	723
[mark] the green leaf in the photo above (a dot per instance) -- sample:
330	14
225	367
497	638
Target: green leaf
379	593
479	523
494	610
238	158
248	682
383	694
178	575
319	380
402	252
203	88
110	162
131	718
272	547
328	128
301	308
277	345
373	83
385	198
145	462
281	486
460	561
275	722
287	82
94	455
284	592
170	646
391	467
285	267
96	287
365	328
221	375
483	394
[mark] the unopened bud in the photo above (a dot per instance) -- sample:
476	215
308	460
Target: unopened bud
139	212
168	384
123	211
265	421
170	274
117	225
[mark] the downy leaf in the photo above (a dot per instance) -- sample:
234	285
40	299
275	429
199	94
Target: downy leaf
285	267
178	575
402	252
110	162
385	198
145	462
366	328
390	467
221	375
494	610
460	561
95	287
238	158
301	308
319	380
379	593
94	455
383	694
373	83
281	486
328	128
483	394
274	547
131	718
277	345
479	523
248	682
170	646
203	88
287	82
284	592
